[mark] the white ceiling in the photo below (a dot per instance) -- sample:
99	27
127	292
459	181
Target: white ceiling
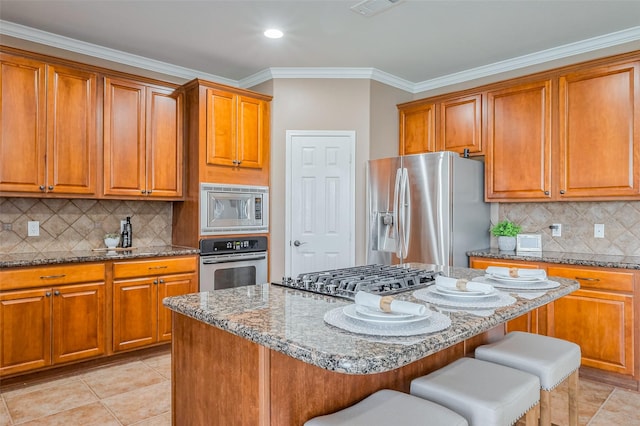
414	42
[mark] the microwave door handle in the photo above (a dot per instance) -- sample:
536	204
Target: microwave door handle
232	260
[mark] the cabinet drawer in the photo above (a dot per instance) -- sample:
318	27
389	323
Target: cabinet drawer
596	278
145	268
484	263
11	279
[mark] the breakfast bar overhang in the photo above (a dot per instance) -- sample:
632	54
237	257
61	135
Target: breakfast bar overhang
263	355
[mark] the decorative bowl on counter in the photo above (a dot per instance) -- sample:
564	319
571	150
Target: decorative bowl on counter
111	240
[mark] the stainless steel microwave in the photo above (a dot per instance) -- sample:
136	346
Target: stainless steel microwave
233	209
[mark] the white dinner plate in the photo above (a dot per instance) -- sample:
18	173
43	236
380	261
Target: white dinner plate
460	294
519	285
518	279
350	311
456	292
376	313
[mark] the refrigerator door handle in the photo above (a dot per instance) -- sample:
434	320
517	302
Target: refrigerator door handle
406	212
397	213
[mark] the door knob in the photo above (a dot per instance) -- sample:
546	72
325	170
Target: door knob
298	243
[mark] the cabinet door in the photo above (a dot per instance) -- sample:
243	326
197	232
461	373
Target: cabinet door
518	151
600	132
164	143
25	335
417	129
250	132
124	138
135	312
71	131
78	322
23	122
221	128
602	324
461	125
172	285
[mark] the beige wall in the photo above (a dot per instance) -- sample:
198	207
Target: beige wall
315	104
384	119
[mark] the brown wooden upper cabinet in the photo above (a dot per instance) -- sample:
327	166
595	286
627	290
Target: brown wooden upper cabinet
143	140
518	157
417	129
595	153
235	129
48	117
442	124
460	125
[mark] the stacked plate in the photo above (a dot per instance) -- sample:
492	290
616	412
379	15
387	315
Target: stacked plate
370	321
517	283
474	291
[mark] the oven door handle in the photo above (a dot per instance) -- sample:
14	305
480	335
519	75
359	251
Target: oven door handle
232	259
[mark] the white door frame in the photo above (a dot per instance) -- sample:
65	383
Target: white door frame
290	134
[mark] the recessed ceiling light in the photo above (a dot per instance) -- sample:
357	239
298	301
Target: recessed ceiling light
273	33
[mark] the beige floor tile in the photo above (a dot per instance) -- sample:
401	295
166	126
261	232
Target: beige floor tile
591	396
21	389
622	408
161	364
121	378
163	420
88	415
141	404
5	420
44	401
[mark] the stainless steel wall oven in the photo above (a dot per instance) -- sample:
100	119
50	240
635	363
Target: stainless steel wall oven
232	262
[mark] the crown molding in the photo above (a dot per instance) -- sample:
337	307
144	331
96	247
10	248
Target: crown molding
618	38
326	72
630	35
77	46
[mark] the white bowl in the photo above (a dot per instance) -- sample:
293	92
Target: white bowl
111	242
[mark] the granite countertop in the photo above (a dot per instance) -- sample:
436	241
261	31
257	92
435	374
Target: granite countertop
579	259
15	260
291	322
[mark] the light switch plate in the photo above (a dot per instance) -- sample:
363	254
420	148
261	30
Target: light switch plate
556	230
33	228
598	230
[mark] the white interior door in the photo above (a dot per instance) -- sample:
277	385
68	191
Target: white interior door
320	201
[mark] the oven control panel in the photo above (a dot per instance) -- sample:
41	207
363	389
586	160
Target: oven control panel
232	245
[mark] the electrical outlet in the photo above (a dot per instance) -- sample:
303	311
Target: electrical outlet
598	230
556	230
33	228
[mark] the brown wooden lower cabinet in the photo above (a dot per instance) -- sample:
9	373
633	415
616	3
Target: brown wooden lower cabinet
49	326
55	315
601	317
139	318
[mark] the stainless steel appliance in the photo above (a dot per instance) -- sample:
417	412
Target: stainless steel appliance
377	279
229	262
426	208
233	209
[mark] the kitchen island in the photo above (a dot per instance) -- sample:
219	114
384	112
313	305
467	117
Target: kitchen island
263	355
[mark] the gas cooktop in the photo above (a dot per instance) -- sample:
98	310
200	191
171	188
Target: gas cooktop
377	279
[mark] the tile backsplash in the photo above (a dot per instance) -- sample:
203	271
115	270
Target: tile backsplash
621	221
79	224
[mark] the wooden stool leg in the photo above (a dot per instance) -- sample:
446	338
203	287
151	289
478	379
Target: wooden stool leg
573	399
531	418
545	408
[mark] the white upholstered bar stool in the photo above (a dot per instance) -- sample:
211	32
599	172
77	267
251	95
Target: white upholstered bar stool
388	407
484	393
552	360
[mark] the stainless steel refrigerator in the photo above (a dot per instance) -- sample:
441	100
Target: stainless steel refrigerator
426	208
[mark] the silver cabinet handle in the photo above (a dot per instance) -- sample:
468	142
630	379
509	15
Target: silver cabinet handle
50	187
56	293
48	294
298	243
52	277
41	187
588	279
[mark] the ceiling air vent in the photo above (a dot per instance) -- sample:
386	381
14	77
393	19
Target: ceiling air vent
373	7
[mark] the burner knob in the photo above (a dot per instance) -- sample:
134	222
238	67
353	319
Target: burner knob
307	283
319	286
332	288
